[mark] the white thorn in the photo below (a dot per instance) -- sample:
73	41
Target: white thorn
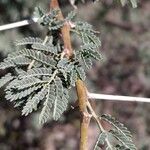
18	24
118	98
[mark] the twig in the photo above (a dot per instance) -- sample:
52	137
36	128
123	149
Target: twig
18	24
65	30
86	117
81	89
118	98
98	122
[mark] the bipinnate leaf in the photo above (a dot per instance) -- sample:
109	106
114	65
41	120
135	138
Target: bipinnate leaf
13	61
120	147
133	2
90	43
28	82
45	48
43	74
101	140
115	123
35	72
56	101
61	101
81	73
73	77
46	112
38	56
123	2
126	142
120	132
28	40
5	79
70	16
32	102
87	62
38	12
19	95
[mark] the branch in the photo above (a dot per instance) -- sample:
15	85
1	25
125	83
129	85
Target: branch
85	116
80	87
99	124
65	30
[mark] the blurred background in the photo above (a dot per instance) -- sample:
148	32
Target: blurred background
124	70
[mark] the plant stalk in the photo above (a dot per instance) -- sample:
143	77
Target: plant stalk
85	116
80	87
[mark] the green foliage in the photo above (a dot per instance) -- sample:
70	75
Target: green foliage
38	12
14	60
125	141
35	72
59	105
38	56
118	131
21	94
42	76
70	16
90	43
133	2
101	140
29	40
32	102
5	79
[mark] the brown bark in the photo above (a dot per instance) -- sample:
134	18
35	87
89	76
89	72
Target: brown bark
85	116
80	87
65	30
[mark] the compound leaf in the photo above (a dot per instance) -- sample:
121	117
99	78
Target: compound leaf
120	132
119	126
32	102
38	12
101	140
28	82
38	56
81	73
46	48
73	77
13	61
60	103
5	79
35	72
70	16
123	139
29	40
13	96
46	112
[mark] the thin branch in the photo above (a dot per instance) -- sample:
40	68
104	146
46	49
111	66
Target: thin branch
86	117
18	24
80	87
65	30
98	122
118	98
